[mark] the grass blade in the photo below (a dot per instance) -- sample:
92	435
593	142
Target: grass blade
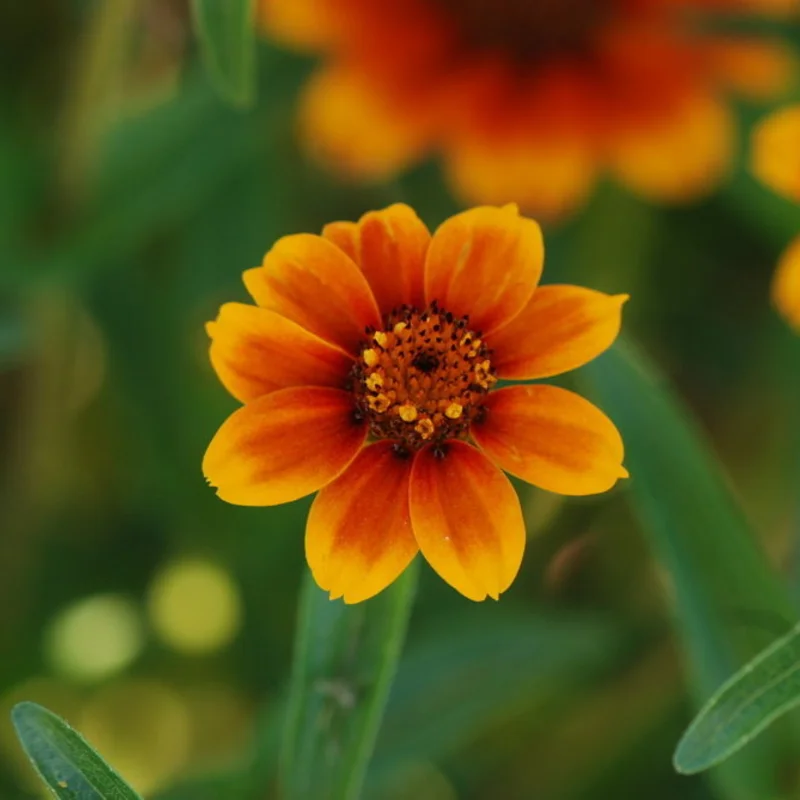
344	664
66	763
727	601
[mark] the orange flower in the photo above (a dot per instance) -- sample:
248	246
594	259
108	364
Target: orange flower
776	162
529	100
368	371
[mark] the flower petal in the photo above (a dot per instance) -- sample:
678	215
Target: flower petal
776	152
786	285
561	328
467	519
484	262
357	128
551	438
311	281
255	351
283	446
677	155
390	247
757	69
548	177
358	536
306	24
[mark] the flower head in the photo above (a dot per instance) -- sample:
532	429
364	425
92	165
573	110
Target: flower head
530	100
368	371
776	162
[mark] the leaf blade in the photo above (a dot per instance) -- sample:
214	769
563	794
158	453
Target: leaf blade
225	29
763	690
69	766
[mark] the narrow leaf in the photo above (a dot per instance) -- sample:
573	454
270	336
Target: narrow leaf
66	763
761	691
225	29
727	601
344	664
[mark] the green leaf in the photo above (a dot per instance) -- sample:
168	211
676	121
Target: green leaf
344	664
757	694
727	601
66	763
227	39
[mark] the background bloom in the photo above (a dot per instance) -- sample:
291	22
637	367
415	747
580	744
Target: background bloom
776	162
529	101
367	371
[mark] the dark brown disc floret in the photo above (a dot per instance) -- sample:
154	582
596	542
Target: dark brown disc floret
423	378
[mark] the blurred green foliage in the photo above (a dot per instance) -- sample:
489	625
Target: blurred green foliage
133	198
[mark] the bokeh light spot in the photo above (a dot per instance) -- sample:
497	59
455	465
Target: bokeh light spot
141	727
195	607
94	638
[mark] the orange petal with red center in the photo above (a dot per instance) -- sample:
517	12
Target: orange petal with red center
551	438
358	536
484	262
283	446
309	280
677	155
786	285
390	247
467	519
255	351
776	152
561	328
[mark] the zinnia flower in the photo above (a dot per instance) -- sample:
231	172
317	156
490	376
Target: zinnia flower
368	371
530	100
776	162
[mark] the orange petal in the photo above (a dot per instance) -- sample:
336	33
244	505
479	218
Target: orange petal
467	519
678	156
561	328
311	281
551	438
484	262
283	446
786	285
757	69
358	536
306	24
776	152
359	130
255	351
548	178
390	247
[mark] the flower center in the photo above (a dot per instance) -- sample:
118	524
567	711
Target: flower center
422	378
528	29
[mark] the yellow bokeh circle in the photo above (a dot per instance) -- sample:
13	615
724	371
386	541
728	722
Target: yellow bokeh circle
194	606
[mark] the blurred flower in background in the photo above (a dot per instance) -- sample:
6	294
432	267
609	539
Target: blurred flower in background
776	162
529	101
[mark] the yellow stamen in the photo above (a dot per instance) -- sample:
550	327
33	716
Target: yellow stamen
400	327
379	403
380	338
454	410
374	382
425	428
370	357
407	412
